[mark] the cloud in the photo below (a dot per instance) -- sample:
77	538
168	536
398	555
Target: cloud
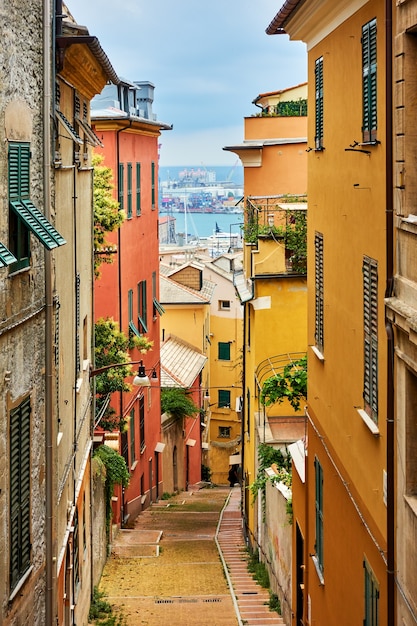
207	60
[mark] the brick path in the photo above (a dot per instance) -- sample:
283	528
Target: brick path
252	600
166	570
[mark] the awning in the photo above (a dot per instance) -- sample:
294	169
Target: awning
70	128
235	459
37	223
6	257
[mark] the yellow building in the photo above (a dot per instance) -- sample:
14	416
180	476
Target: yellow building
341	553
272	285
202	308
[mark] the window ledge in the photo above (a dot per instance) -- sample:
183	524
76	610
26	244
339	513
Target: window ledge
20	584
318	569
143	448
318	354
369	422
133	466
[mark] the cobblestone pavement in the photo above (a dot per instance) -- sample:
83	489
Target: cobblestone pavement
166	570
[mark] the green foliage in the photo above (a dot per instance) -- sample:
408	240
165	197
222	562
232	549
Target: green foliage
274	603
291	384
258	570
111	347
178	403
296	240
116	474
107	214
268	456
292	108
101	611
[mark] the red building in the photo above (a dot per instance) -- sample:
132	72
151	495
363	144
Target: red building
128	289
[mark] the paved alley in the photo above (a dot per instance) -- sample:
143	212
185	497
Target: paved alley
167	569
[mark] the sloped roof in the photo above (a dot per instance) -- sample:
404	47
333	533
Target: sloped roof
181	363
172	292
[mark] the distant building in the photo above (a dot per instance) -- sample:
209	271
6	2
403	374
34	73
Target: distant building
128	289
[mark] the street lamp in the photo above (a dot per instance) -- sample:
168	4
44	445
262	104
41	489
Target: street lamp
141	379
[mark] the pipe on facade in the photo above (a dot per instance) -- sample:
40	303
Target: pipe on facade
389	213
50	557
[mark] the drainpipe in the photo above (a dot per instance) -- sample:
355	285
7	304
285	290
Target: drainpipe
390	459
50	602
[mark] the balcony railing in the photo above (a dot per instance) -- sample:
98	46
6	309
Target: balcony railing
282	218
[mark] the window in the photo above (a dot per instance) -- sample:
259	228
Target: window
224	305
319	291
319	513
23	215
142	423
121	181
132	437
157	306
20	543
138	191
369	67
224	432
132	328
223	399
153	188
371	597
224	351
370	324
319	104
142	313
129	190
76	550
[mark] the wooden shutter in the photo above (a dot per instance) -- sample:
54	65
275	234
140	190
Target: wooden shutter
319	291
20	544
138	190
129	190
369	71
319	103
370	323
121	185
224	351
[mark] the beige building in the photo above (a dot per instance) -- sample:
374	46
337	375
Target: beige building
45	339
402	313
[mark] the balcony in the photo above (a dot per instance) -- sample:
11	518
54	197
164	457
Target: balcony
275	229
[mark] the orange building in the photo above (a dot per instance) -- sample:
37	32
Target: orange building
342	493
128	289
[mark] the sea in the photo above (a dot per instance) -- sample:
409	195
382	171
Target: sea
197	225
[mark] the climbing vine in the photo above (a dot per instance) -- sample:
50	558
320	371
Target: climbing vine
112	347
116	473
281	463
290	384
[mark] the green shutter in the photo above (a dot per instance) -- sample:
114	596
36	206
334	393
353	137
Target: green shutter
129	190
223	398
132	436
138	191
370	326
121	185
369	73
153	183
142	306
6	257
20	545
19	170
37	223
319	291
319	103
319	511
224	351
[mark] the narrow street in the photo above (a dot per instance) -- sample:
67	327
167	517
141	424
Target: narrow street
167	570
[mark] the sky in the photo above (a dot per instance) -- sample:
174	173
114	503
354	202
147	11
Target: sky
207	60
